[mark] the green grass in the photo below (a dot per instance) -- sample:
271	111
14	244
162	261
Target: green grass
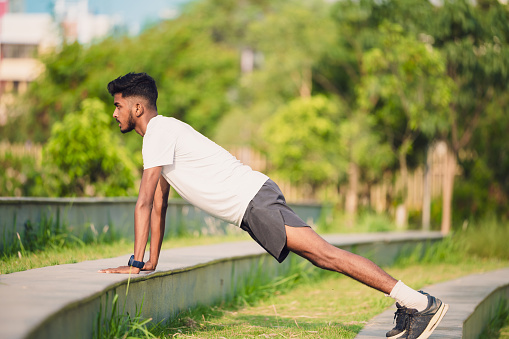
330	306
339	222
487	238
310	303
118	324
327	305
498	327
306	302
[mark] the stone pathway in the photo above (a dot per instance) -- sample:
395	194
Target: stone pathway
464	296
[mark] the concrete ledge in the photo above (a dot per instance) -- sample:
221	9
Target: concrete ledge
78	215
472	304
64	301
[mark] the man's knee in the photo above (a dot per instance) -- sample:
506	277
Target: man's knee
309	245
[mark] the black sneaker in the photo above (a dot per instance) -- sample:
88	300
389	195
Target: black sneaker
401	318
422	324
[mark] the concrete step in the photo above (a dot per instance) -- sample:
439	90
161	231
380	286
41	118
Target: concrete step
472	301
64	301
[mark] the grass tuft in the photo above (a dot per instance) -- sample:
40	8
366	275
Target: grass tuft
498	327
50	234
486	240
121	325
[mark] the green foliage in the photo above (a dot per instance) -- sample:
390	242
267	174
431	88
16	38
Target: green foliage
448	250
475	42
477	197
21	174
293	37
84	158
486	239
312	141
192	71
367	221
498	325
360	144
406	87
119	324
258	286
301	140
401	73
288	41
51	234
484	189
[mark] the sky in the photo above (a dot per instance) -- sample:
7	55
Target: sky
134	12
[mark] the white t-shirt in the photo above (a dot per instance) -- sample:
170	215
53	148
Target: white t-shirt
202	172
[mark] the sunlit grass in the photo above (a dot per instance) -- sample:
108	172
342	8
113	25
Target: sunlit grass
333	306
318	304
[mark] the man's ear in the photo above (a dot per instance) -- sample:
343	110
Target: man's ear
138	109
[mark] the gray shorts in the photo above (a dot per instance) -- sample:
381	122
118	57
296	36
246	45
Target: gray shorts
266	217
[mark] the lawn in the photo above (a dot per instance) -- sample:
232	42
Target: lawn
331	307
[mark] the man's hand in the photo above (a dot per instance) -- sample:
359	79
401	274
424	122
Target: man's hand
122	269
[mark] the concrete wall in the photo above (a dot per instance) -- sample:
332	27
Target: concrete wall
485	312
203	275
160	296
111	215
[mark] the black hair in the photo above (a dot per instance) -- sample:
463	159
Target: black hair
135	84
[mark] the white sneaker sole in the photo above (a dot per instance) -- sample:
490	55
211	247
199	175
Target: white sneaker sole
434	321
399	335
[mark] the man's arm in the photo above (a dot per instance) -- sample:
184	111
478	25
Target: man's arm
157	223
142	215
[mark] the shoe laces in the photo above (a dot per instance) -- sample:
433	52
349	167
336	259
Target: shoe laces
401	317
410	312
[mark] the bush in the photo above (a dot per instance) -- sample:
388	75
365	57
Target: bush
84	158
20	175
486	239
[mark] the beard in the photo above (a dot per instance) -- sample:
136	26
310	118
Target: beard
130	124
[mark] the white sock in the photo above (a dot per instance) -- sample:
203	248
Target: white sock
408	297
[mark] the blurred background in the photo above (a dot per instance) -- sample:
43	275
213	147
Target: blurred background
394	108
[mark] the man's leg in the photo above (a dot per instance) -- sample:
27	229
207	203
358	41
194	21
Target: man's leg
306	243
412	322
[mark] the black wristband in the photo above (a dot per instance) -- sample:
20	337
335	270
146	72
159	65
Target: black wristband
134	263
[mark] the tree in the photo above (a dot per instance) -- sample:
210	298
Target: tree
474	40
484	188
84	158
313	141
302	141
366	154
192	70
288	41
405	87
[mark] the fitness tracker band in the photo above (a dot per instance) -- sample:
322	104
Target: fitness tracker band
134	263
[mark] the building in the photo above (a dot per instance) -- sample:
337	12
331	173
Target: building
25	36
79	24
22	38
